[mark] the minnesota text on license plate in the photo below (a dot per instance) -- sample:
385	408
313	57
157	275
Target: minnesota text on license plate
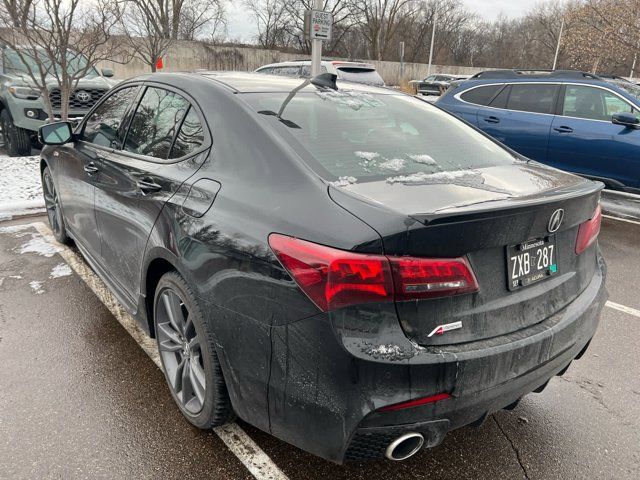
531	261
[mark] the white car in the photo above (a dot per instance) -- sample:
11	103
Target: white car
349	71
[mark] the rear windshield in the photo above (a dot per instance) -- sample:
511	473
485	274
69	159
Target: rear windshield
360	75
354	136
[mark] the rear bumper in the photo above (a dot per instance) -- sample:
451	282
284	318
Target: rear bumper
330	374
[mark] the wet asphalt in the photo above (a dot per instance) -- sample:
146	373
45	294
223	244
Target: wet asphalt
80	399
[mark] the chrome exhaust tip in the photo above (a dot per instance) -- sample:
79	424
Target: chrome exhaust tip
404	446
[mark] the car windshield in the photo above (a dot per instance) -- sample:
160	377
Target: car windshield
630	88
360	75
15	62
359	136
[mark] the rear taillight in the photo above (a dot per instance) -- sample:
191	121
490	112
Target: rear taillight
334	278
588	231
427	278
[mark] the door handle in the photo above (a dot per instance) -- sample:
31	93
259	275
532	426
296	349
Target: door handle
147	186
564	129
91	169
492	119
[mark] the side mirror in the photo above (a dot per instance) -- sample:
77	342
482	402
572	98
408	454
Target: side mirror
107	72
57	133
626	119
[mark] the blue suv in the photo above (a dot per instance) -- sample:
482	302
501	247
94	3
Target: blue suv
571	120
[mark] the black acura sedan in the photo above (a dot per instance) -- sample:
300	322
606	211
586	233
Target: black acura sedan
346	267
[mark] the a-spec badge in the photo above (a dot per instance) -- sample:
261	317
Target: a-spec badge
441	329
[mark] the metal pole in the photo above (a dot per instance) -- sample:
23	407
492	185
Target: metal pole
633	67
316	48
433	36
401	60
555	59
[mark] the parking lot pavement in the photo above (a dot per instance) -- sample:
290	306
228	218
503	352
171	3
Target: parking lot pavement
80	399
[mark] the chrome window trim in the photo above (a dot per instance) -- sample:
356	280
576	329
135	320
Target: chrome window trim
457	96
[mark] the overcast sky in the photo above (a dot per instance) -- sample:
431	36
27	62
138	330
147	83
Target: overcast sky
242	26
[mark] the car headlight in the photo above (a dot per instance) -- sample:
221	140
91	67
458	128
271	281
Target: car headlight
25	93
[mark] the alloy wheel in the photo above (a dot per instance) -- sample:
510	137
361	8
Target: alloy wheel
52	203
179	346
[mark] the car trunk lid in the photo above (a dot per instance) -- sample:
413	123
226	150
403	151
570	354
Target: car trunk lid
479	217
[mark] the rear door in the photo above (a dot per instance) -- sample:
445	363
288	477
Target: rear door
521	118
584	140
158	153
76	170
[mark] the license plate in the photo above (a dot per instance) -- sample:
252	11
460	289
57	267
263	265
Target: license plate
531	262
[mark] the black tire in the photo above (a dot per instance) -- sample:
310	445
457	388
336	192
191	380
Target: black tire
17	141
190	343
54	208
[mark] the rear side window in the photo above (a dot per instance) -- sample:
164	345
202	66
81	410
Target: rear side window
360	75
593	103
102	125
190	136
155	123
532	98
481	95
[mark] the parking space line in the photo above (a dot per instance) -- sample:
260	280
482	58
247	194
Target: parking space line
610	217
235	438
624	308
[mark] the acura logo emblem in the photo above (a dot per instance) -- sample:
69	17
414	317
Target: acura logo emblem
83	96
556	220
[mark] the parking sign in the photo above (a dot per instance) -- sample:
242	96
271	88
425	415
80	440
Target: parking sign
318	25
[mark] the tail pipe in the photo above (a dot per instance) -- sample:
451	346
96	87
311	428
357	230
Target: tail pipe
405	446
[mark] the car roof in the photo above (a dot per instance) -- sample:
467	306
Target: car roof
335	63
252	82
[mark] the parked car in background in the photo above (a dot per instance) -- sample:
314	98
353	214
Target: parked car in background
435	84
349	71
574	121
22	109
346	267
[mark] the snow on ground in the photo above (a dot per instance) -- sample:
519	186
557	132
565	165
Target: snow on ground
40	246
20	186
60	270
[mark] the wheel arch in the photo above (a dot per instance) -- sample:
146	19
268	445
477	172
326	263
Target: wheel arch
159	261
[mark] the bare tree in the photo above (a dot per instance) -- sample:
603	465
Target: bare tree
271	18
379	20
205	18
144	28
57	42
605	34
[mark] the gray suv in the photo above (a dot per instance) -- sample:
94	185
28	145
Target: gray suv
22	109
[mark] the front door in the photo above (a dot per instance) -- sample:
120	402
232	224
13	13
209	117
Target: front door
75	178
585	141
77	171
